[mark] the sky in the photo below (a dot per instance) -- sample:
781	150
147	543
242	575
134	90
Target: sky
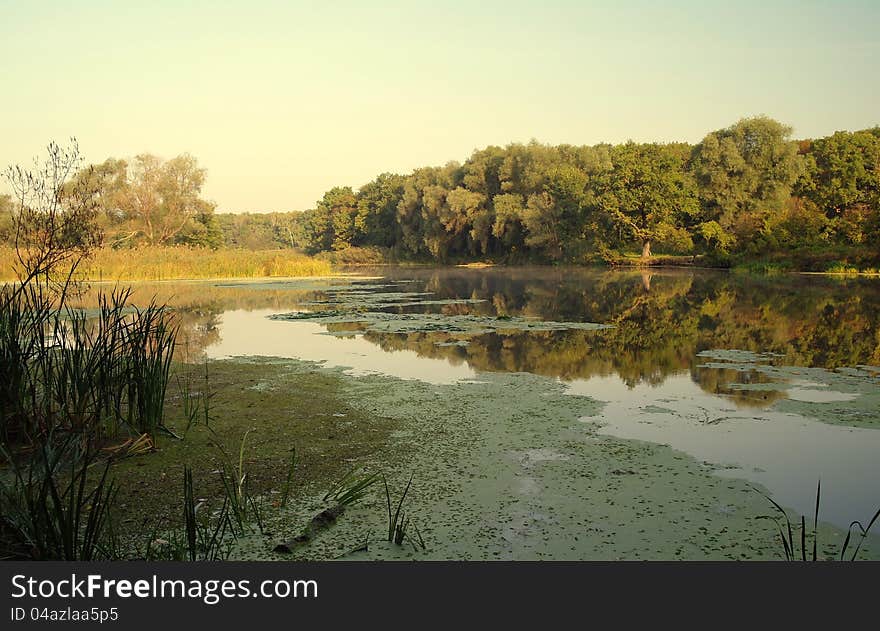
282	100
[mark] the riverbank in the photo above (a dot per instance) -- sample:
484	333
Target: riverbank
835	261
185	263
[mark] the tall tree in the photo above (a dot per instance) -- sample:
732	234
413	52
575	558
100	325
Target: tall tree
53	222
152	201
646	194
332	222
377	203
843	180
745	173
163	199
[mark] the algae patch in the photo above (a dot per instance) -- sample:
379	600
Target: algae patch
503	469
844	396
381	322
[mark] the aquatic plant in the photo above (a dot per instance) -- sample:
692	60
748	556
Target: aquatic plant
69	380
196	404
147	350
203	542
351	487
202	537
790	547
52	508
242	505
285	493
399	522
64	370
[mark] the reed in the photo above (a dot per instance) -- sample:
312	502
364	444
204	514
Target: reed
66	369
181	262
348	490
52	507
195	404
351	487
796	548
202	537
399	522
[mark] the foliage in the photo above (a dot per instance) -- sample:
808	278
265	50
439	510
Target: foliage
647	195
743	192
52	221
151	201
809	551
68	379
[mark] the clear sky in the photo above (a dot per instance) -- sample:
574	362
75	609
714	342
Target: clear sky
280	100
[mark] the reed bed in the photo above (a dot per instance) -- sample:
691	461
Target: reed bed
68	383
184	263
63	371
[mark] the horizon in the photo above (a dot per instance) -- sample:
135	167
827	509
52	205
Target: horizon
280	103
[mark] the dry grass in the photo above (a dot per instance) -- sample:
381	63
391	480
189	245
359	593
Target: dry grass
172	263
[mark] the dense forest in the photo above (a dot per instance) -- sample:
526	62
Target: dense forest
744	192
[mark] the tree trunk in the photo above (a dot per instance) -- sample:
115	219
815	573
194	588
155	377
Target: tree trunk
646	250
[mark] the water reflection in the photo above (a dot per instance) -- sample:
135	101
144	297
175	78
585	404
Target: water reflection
651	368
662	320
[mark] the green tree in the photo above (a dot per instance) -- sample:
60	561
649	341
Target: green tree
149	200
377	203
843	180
332	222
745	174
508	224
543	220
467	209
422	210
163	199
555	218
647	195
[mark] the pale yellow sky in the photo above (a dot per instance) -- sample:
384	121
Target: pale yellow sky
282	100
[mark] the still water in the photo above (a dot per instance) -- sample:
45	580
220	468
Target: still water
770	379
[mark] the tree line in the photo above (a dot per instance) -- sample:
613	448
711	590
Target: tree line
743	191
747	189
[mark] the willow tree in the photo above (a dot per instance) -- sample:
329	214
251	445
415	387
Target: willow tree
150	200
377	204
507	225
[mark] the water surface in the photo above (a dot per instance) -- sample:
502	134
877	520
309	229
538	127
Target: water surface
773	380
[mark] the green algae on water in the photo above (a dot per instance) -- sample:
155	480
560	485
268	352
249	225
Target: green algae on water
380	322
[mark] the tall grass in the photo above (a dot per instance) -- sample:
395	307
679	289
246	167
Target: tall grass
63	371
349	490
68	381
804	547
202	537
244	507
53	508
179	262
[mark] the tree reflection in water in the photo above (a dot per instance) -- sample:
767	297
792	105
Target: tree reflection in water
662	319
